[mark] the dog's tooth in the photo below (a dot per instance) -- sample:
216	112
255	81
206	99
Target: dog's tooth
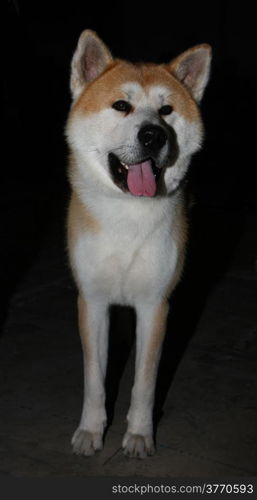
124	165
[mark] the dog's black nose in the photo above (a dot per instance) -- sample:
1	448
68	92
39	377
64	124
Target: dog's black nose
152	137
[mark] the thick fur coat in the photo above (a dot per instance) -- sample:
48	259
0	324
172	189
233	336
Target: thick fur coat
132	130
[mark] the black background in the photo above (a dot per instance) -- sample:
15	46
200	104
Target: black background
42	36
40	39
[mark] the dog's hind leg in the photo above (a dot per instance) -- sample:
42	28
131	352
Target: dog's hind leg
151	327
93	327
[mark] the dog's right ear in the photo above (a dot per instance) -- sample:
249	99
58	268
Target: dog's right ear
89	61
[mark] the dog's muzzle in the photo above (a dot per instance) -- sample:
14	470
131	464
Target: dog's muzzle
158	148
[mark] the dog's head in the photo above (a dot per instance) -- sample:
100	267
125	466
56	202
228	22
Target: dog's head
135	126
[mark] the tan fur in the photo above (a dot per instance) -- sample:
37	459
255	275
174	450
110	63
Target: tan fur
180	64
79	216
137	246
83	328
98	52
79	220
176	62
180	236
159	326
105	90
157	336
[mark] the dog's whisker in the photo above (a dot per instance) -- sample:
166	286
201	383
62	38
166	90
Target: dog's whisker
123	148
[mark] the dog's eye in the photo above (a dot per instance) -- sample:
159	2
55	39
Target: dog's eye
123	106
166	110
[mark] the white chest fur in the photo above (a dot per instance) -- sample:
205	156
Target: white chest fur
133	256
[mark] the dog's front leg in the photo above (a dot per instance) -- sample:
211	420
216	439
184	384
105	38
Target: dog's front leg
151	327
93	328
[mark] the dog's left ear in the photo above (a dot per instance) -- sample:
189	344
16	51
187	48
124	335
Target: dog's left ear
192	68
89	61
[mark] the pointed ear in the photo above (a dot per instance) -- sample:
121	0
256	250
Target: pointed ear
89	61
192	68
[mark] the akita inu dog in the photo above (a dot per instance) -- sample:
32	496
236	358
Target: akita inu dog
132	130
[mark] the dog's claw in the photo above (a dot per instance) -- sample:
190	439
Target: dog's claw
138	446
86	442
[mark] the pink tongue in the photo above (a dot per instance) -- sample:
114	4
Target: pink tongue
141	181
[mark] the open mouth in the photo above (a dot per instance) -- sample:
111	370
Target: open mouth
140	179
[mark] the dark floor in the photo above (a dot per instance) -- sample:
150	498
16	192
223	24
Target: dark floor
206	404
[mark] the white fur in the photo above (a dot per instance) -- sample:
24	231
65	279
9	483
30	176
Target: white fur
94	136
134	257
131	260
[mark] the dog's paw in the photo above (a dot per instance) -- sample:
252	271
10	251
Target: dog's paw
138	446
86	442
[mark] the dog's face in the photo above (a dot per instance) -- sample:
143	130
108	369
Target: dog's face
135	126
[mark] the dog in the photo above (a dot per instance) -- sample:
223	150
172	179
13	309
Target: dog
132	130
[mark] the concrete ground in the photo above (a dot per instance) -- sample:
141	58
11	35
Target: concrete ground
206	398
